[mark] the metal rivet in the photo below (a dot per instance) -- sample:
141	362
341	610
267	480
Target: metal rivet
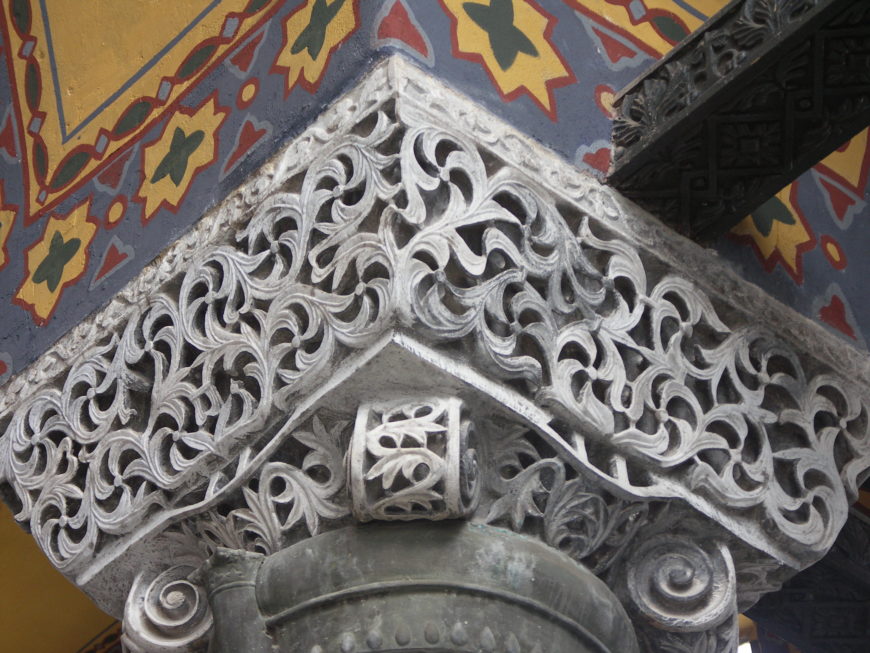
348	643
487	640
374	639
403	635
431	633
458	635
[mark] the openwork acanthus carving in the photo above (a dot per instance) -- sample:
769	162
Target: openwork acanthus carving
617	350
530	489
523	485
401	226
740	109
301	486
412	460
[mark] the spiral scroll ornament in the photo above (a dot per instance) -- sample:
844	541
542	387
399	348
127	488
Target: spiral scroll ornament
469	468
681	585
168	613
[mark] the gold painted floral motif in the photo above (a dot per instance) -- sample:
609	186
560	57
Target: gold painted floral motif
58	259
311	34
188	144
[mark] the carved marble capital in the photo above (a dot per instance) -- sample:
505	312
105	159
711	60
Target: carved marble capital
413	311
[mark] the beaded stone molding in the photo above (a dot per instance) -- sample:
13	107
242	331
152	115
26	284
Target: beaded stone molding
410	248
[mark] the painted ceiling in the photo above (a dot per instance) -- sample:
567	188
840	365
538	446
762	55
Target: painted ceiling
119	131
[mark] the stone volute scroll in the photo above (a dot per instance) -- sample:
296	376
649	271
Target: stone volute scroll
167	611
414	335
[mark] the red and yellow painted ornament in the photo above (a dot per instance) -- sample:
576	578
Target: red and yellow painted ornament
511	39
311	34
778	232
57	260
83	90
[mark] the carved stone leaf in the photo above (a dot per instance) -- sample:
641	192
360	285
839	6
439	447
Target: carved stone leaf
523	494
410	501
326	450
287	495
395	431
405	462
309	500
259	520
576	520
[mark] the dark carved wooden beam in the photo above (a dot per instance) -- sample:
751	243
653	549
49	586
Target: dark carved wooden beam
764	90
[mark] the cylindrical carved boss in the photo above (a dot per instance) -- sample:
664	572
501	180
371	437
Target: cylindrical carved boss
413	460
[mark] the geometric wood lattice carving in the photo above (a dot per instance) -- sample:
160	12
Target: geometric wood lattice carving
741	108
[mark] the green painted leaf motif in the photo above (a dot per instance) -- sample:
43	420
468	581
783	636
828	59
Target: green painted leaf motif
69	169
669	28
255	5
196	61
773	210
314	34
175	162
21	15
132	118
505	38
40	160
31	85
60	252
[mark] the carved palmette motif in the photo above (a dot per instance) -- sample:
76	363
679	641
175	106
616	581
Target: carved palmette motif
529	488
396	223
290	497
